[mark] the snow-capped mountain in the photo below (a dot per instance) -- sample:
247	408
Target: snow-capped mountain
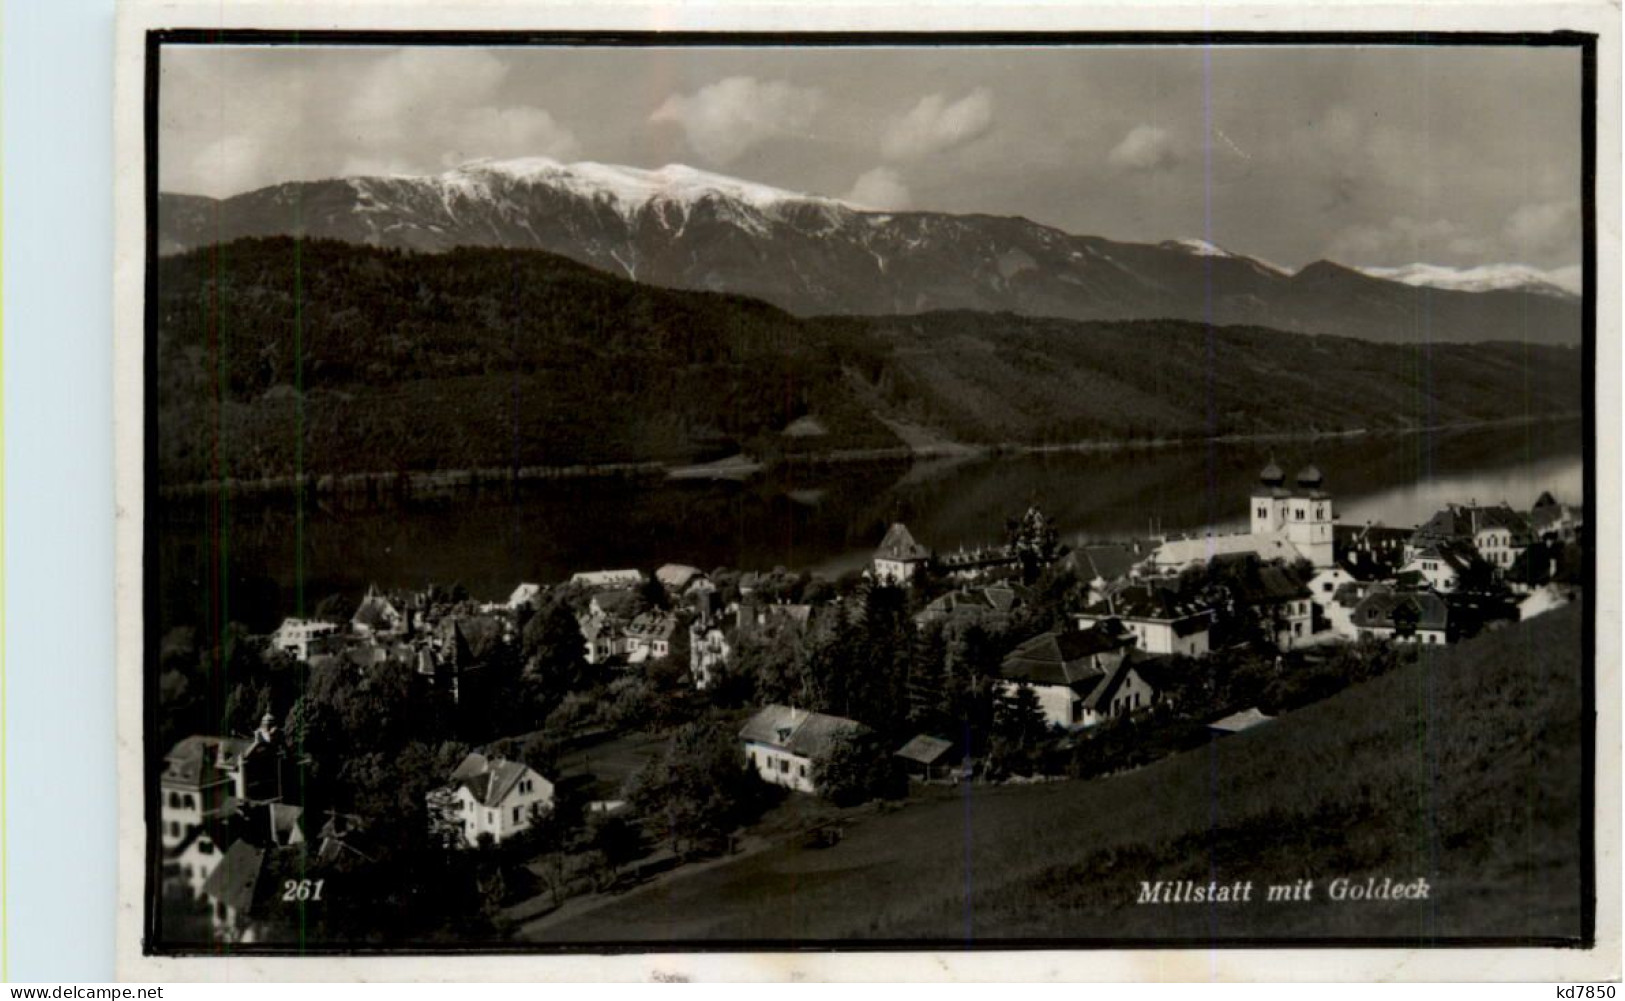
684	228
1563	283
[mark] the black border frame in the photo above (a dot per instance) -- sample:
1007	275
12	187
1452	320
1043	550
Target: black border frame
155	41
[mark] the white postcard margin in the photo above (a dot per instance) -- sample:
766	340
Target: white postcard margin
136	17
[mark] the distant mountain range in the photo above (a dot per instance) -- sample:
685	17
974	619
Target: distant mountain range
682	228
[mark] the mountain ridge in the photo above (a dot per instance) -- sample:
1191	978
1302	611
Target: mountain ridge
681	228
493	358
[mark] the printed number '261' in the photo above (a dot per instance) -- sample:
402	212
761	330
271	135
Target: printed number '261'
302	889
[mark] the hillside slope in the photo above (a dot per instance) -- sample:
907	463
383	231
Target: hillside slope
1462	769
678	227
277	355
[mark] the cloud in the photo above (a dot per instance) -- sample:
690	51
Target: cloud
723	120
934	125
1403	240
426	108
234	126
1544	229
881	188
1147	148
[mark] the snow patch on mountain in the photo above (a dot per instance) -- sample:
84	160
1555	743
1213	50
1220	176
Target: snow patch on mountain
1558	282
630	189
1205	248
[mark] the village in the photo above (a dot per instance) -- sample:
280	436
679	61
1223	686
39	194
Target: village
503	758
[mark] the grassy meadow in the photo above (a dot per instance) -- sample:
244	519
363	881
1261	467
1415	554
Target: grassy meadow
1462	768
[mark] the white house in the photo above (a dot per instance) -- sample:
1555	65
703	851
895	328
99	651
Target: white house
608	578
1324	584
1173	555
1160	621
781	743
899	557
200	774
1420	617
494	796
648	636
195	859
524	594
1064	670
295	636
677	577
1439	565
1500	535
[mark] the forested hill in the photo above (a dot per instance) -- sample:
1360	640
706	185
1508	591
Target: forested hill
278	356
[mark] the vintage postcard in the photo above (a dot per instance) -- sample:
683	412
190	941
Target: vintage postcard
769	494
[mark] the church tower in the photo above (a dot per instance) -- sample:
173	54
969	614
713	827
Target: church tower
1309	518
1269	500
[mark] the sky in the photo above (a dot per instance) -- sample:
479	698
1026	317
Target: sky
1376	156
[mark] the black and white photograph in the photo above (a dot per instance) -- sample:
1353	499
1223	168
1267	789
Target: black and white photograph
707	492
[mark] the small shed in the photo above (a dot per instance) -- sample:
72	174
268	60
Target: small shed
1237	722
927	757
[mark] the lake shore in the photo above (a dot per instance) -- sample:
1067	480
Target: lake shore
422	483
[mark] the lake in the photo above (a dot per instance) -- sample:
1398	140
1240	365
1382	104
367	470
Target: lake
826	519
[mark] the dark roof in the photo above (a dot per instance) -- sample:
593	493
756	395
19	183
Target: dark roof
900	545
1268	585
1545	500
615	601
1151	602
1451	523
1379	609
489	779
1309	477
653	626
1272	475
235	880
1067	658
375	611
1107	562
1156	669
1459	556
798	731
925	750
197	760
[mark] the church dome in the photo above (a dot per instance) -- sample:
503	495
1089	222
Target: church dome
1272	476
1309	477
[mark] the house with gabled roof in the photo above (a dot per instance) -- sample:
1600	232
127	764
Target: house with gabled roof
1160	619
1277	599
1404	617
1440	565
523	595
235	889
782	742
992	603
376	614
1500	534
1554	521
201	776
490	795
899	559
649	636
1063	669
677	577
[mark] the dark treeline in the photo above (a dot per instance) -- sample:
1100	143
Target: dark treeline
279	356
